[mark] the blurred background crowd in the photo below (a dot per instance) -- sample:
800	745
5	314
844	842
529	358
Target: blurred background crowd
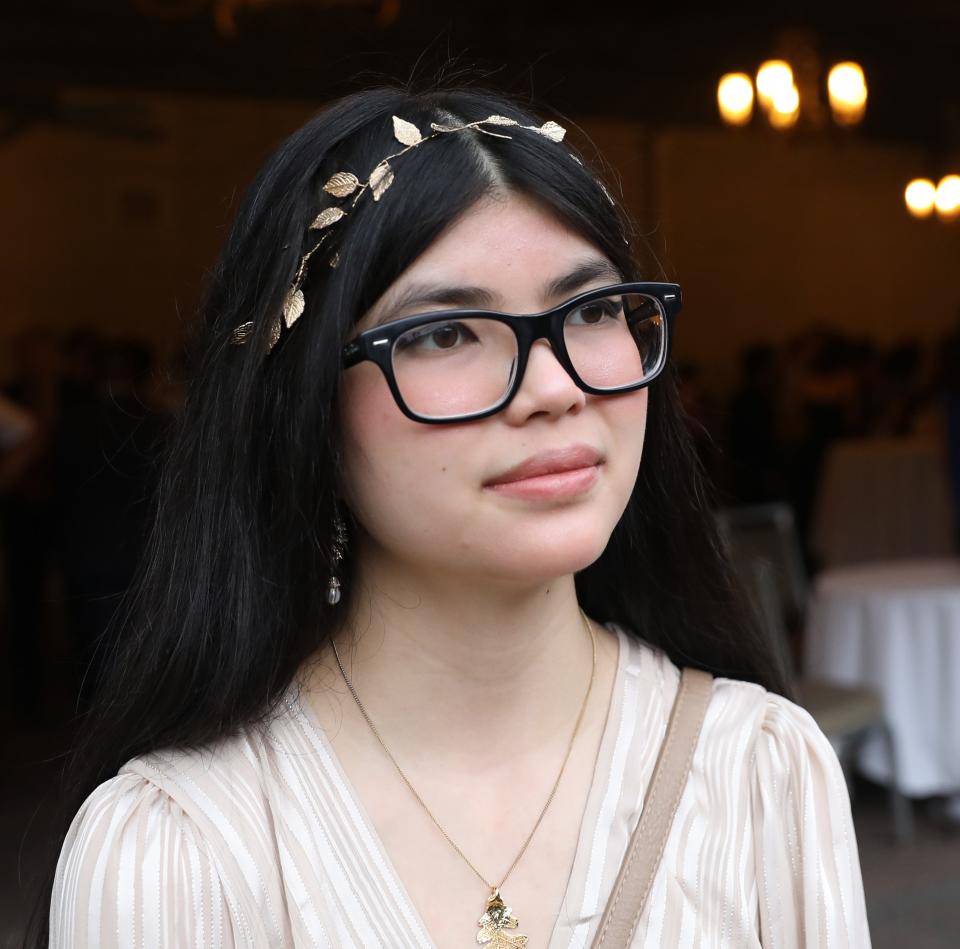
767	438
80	423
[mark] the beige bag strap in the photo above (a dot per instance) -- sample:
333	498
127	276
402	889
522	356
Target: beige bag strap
649	839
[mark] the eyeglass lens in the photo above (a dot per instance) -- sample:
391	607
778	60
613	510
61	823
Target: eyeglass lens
456	367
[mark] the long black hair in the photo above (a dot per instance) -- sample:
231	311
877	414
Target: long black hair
230	596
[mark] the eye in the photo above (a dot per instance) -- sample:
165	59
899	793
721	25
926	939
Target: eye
436	337
596	312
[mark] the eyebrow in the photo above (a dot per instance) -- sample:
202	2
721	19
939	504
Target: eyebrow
585	273
422	294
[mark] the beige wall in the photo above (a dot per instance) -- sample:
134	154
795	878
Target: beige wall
766	234
117	234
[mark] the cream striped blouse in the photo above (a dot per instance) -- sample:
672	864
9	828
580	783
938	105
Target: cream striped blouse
261	841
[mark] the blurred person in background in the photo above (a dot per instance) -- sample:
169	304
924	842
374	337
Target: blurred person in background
27	519
826	401
949	386
17	431
754	437
81	367
701	414
103	483
901	395
867	360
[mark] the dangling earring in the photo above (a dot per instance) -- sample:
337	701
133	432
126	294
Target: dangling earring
339	550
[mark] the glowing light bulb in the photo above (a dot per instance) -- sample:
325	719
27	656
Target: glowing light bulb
785	108
773	78
735	98
947	199
847	89
919	197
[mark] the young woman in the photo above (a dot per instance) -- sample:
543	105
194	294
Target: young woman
403	651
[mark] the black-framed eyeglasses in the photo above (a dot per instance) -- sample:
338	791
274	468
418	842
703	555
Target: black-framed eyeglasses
456	365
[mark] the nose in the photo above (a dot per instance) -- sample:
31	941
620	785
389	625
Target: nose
546	389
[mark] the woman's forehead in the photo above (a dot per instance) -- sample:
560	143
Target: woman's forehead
500	254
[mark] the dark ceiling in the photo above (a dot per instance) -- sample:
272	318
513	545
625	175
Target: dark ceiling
655	62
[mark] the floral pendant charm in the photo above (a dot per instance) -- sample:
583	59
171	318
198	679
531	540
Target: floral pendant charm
492	923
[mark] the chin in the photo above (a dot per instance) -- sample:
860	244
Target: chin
534	559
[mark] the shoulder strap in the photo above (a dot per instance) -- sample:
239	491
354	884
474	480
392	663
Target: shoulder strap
649	839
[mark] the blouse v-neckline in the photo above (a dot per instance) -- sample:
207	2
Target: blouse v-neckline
587	863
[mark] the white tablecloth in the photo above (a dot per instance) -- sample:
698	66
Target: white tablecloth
883	499
896	627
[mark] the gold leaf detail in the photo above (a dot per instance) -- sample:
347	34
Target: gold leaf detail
380	179
335	259
274	334
327	217
241	334
500	120
293	305
342	184
552	131
406	133
437	127
497	939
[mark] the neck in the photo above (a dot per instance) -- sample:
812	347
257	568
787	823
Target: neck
464	670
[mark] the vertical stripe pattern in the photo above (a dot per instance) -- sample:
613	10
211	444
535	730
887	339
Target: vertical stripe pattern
261	840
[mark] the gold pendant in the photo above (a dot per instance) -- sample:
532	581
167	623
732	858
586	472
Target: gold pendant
492	923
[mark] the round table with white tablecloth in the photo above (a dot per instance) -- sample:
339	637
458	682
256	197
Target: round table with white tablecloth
895	627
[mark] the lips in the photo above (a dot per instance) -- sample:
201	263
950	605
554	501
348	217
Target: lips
550	462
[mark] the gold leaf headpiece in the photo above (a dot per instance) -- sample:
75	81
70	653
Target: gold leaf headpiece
344	184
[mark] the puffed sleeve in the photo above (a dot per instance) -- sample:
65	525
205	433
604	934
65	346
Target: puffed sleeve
135	871
808	870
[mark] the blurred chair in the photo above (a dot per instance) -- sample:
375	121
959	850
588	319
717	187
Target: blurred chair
765	551
767	532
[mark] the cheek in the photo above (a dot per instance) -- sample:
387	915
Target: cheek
375	432
366	403
626	419
394	466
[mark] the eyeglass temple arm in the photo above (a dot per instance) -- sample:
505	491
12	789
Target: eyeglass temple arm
352	353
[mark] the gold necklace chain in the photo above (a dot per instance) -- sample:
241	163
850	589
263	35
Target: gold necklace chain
576	728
